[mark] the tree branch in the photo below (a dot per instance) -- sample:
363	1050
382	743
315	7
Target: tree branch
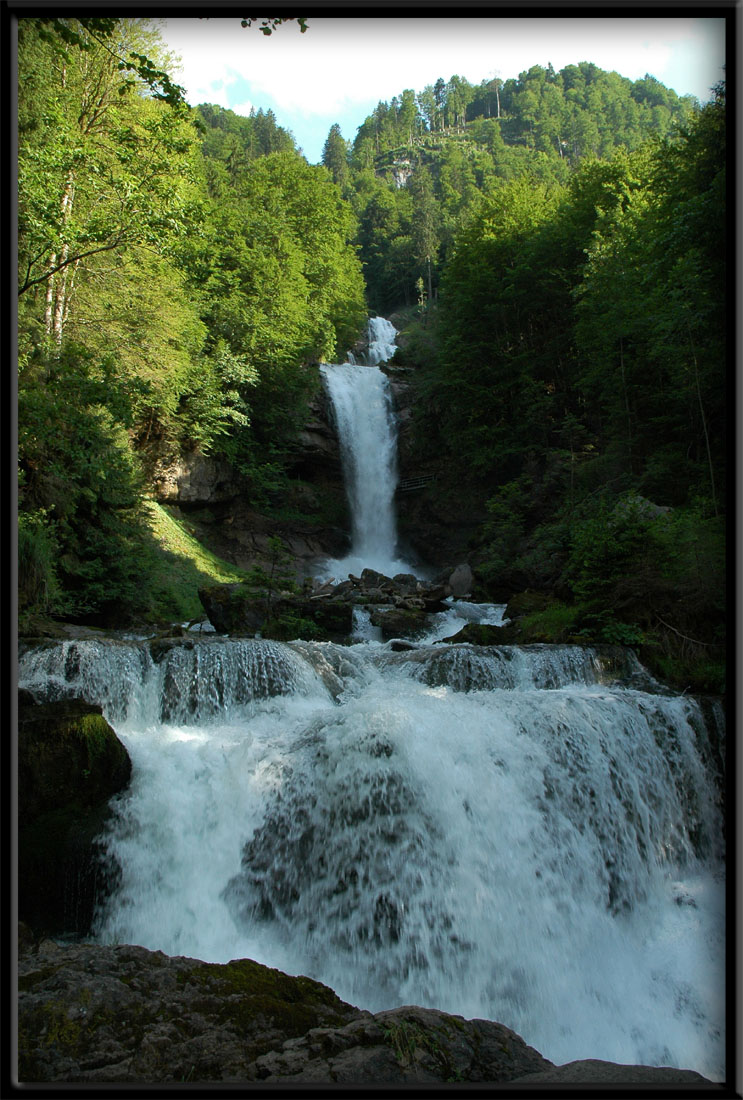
65	263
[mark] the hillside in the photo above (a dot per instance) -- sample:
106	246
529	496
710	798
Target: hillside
555	242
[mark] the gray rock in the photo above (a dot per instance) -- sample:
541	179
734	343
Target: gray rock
461	580
592	1071
196	479
93	1013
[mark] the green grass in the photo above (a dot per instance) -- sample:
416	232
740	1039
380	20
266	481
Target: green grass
182	565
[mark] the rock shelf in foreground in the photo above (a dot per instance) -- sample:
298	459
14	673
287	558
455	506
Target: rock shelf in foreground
121	1013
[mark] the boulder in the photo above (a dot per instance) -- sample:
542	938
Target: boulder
524	603
483	634
461	580
593	1071
89	1013
239	610
233	608
397	622
371	579
70	764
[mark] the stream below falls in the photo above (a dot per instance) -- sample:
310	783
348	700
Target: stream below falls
517	833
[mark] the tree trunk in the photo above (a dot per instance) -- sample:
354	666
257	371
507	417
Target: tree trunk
58	282
704	420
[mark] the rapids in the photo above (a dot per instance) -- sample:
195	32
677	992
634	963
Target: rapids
509	832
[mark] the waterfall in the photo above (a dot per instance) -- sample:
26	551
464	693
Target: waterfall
381	335
507	832
367	433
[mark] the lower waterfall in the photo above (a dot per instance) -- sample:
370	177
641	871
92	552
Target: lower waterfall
508	832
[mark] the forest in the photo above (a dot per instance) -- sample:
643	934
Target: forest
556	243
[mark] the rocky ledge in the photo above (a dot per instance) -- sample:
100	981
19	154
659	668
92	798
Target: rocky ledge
325	612
92	1013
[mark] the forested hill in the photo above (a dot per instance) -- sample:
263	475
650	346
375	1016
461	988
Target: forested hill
556	244
419	164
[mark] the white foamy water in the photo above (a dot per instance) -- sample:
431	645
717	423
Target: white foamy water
503	832
381	339
367	433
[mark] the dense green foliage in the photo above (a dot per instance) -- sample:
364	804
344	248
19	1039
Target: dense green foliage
420	165
180	273
562	237
580	388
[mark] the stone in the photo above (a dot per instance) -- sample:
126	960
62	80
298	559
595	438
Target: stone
483	634
371	579
461	580
70	764
406	583
593	1071
237	609
91	1013
399	623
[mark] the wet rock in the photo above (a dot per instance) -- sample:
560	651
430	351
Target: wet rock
371	579
461	580
406	582
592	1071
238	610
527	602
91	1013
399	622
70	764
483	634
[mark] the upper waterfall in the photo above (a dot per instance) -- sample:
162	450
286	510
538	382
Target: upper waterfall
381	335
367	432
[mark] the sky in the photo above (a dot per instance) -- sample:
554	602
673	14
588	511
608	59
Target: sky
341	67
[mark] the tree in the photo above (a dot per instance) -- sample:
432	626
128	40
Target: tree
425	238
107	172
335	156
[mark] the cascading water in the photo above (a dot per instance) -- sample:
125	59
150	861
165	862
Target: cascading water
381	335
366	428
505	832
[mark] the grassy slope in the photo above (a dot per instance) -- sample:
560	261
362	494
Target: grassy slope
182	565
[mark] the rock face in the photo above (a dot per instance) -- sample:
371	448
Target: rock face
218	504
89	1013
70	763
196	479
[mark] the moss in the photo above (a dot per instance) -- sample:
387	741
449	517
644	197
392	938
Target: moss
58	1025
249	993
553	623
407	1038
70	763
29	981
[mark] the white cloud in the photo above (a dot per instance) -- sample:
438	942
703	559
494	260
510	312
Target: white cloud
344	61
341	67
